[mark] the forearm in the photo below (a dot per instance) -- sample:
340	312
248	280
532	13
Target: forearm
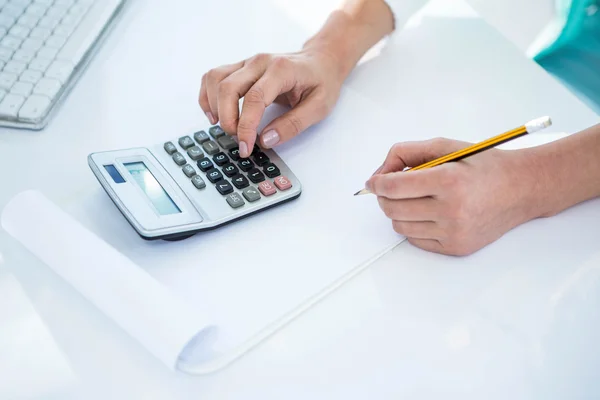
567	171
352	30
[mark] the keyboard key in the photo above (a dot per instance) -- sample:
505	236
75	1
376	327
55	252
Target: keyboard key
24	56
19	31
282	183
205	164
198	182
7	80
179	159
224	187
201	137
31	76
230	170
47	52
188	170
15	67
59	70
214	175
64	30
240	181
34	108
195	153
7	21
227	142
221	159
11	42
28	20
234	154
216	131
22	88
47	87
251	194
246	165
260	158
49	22
12	10
186	142
256	176
40	33
170	148
2	94
57	11
40	64
6	54
210	147
55	41
235	200
32	44
271	170
266	188
10	105
36	9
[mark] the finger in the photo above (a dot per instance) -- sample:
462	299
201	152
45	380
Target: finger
428	244
213	78
231	89
203	101
418	229
412	154
276	80
423	209
407	185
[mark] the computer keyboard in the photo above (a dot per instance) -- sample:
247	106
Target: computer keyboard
44	45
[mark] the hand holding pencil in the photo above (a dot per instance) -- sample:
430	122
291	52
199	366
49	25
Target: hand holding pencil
457	207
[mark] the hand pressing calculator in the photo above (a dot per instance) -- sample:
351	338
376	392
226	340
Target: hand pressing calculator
194	183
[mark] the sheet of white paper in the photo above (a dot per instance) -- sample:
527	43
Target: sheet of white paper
158	318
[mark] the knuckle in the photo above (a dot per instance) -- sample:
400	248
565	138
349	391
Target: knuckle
245	128
259	58
281	62
228	124
295	124
400	228
226	87
255	95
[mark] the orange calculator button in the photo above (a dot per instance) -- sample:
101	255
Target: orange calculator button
282	183
266	188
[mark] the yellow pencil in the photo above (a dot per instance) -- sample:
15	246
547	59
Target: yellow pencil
530	127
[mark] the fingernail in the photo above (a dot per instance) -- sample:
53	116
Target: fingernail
244	150
210	117
270	138
368	185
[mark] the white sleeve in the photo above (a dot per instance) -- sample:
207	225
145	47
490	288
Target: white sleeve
402	10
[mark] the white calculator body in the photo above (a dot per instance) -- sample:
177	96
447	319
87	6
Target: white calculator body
193	183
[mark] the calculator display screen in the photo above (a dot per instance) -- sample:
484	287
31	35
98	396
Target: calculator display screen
155	192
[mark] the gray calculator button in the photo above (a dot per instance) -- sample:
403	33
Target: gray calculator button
198	182
178	158
227	142
235	200
188	170
195	153
210	147
251	194
216	131
170	148
186	142
201	137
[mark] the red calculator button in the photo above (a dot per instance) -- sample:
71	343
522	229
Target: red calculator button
282	183
266	188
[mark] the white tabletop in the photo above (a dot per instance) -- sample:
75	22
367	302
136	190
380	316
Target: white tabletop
516	320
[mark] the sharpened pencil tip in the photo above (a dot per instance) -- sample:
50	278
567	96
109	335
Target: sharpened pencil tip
361	192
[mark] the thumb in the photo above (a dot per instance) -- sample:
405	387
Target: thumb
413	154
305	114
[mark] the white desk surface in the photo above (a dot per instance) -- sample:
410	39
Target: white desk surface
517	320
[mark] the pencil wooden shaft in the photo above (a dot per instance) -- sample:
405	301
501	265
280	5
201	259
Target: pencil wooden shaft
474	149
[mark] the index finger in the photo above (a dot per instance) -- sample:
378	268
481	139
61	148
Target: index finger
407	184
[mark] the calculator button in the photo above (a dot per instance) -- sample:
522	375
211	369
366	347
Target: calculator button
230	170
246	164
256	176
224	187
260	158
205	164
227	142
201	137
216	131
235	200
179	159
221	159
210	147
186	142
170	148
266	188
214	175
195	153
251	194
282	183
240	181
271	170
188	170
198	182
234	154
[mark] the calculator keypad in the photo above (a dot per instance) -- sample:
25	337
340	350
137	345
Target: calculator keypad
217	155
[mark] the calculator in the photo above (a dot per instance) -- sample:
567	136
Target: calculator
193	183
